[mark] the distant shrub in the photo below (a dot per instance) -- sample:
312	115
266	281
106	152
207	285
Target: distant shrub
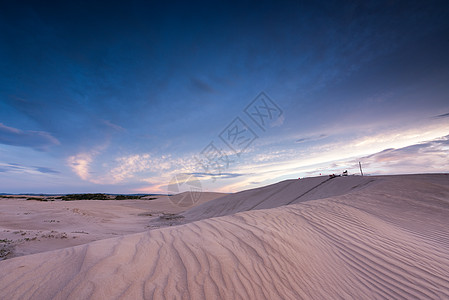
37	199
125	197
73	197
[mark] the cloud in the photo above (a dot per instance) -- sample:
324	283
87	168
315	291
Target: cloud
255	182
442	116
17	168
311	138
221	175
421	150
80	164
431	156
130	165
113	126
201	85
272	164
46	170
39	140
152	188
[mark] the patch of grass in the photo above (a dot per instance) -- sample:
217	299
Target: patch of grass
167	216
4	253
145	215
5	248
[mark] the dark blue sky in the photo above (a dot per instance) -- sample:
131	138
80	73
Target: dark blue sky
120	97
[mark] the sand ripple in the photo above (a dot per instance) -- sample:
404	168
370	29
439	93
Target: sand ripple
345	247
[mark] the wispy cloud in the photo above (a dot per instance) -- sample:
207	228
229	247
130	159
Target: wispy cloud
46	170
113	126
341	155
442	116
215	175
201	85
18	168
431	156
128	166
39	140
144	167
150	172
311	138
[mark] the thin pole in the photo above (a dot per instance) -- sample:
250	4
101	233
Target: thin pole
360	166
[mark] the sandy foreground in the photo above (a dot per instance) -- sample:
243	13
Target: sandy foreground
29	226
353	237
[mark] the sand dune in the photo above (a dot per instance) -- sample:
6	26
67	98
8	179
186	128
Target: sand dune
374	238
275	195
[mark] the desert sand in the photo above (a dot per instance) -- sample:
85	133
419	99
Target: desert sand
352	237
29	226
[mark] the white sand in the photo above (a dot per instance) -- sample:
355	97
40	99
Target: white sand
34	226
349	238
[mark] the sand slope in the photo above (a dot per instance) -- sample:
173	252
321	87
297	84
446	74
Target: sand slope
278	194
388	239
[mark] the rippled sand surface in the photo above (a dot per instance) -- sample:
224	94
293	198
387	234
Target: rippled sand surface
383	237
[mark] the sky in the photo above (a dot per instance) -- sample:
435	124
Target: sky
140	96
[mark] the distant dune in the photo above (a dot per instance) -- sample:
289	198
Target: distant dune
384	237
275	195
